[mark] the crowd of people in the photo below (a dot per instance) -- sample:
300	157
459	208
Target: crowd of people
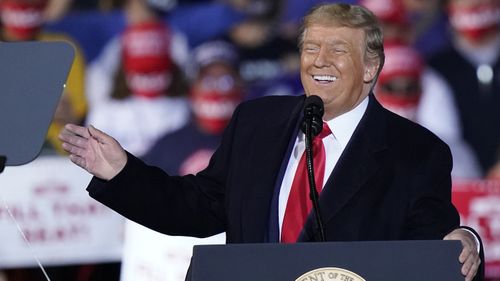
164	77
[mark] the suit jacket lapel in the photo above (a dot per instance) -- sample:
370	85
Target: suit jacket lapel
276	135
357	164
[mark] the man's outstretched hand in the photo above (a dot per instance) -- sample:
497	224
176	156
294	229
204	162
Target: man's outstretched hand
469	257
98	153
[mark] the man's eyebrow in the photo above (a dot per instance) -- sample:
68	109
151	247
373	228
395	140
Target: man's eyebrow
333	42
336	42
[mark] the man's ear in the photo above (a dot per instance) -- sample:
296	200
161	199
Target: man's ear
371	68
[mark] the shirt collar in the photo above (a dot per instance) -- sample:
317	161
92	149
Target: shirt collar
343	126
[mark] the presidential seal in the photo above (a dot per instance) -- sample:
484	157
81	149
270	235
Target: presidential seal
330	274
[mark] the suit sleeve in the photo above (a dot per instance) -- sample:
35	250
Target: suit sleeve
192	205
431	213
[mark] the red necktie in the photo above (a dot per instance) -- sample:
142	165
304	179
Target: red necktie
299	205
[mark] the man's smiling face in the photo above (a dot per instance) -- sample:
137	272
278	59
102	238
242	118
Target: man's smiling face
333	67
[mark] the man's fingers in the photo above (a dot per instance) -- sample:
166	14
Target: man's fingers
71	149
78	160
472	270
466	252
466	265
469	256
99	135
73	140
470	264
77	130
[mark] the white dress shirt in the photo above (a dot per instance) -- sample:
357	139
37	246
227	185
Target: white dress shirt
342	128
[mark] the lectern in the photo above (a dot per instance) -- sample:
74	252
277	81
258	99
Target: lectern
431	260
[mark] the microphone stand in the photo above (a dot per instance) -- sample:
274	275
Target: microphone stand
313	193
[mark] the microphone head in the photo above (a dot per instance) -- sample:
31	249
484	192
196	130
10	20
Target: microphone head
313	114
313	106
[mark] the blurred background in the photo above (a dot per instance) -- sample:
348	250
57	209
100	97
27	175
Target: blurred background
164	76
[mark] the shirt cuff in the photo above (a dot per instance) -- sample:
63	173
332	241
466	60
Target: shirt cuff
478	244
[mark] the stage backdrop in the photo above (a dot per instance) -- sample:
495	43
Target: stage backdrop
47	198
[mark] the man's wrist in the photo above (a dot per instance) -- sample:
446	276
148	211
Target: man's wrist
476	239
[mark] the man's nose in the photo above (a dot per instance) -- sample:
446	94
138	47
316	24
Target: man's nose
322	59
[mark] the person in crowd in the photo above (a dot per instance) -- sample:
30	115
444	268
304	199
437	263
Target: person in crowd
409	88
385	177
429	25
471	66
95	23
146	91
268	60
73	105
216	90
137	89
421	24
393	18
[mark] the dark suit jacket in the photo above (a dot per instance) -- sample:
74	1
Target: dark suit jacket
392	182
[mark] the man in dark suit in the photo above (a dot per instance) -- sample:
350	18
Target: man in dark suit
386	177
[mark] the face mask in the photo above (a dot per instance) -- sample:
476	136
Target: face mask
146	60
148	84
22	20
214	109
475	22
405	106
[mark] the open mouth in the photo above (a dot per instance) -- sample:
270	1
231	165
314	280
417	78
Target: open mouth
324	78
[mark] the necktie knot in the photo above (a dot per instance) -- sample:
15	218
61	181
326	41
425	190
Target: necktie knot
325	132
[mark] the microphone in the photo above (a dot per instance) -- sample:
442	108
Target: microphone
313	114
312	124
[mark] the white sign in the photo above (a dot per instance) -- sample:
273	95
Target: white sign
152	256
63	225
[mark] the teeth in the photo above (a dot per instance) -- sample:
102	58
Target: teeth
324	78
